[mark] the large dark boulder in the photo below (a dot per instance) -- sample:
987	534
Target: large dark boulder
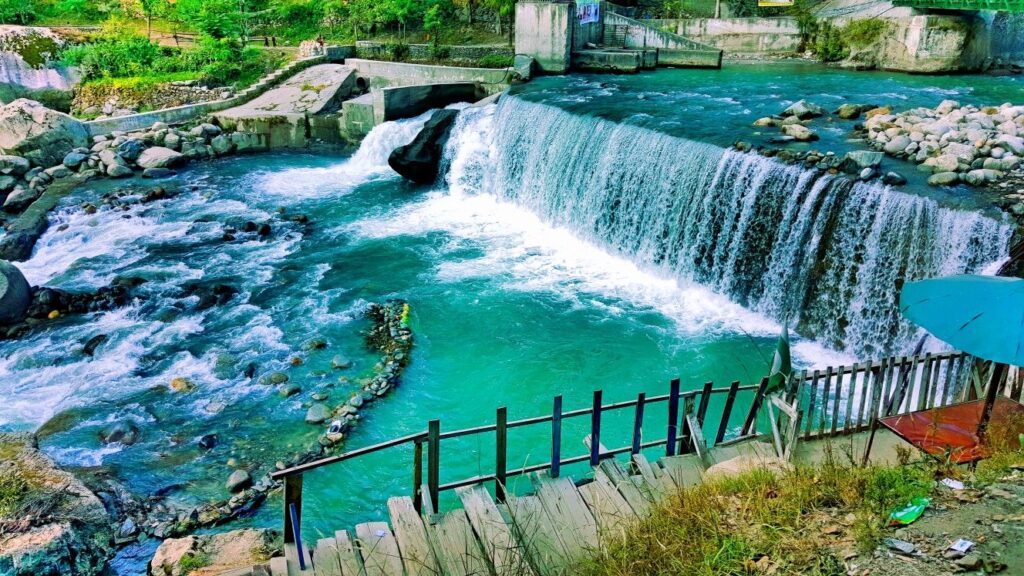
15	294
420	159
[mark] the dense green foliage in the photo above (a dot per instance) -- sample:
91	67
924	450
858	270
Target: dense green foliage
829	45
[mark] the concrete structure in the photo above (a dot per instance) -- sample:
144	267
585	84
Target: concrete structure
553	36
738	35
380	74
544	32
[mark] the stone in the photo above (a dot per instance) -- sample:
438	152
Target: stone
801	133
118	171
314	344
982	176
963	152
223	552
238	480
968	562
866	173
318	413
7	183
852	111
123	432
420	160
289	390
893	179
803	110
897	144
205	130
208	441
944	163
75	534
172	141
15	294
73	160
182	385
158	173
43	136
20	198
58	171
341	363
1014	144
766	121
160	157
14	165
864	158
221	145
943	179
946	106
131	149
274	378
881	111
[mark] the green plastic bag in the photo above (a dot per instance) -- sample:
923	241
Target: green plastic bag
910	512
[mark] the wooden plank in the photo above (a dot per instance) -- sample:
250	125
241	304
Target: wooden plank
810	405
684	471
279	566
504	552
730	398
325	558
851	395
413	544
697	437
837	399
608	507
659	485
824	401
348	555
638	499
638	423
541	540
866	383
564	505
379	549
291	554
458	550
926	380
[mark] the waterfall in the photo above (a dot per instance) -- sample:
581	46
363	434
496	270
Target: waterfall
824	252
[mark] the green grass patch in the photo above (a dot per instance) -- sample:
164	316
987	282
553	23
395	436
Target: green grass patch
12	491
193	561
864	33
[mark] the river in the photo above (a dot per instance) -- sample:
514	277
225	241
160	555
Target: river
522	284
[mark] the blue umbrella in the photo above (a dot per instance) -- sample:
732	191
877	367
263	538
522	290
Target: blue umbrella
981	315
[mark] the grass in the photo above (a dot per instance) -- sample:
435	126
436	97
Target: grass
193	561
12	491
761	521
864	33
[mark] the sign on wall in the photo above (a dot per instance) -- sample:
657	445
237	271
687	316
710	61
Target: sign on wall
588	11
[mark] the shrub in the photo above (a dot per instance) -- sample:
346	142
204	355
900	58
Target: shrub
440	52
399	52
12	491
829	44
193	561
495	61
864	33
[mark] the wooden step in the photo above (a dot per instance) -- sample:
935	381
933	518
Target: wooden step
325	558
609	507
540	538
458	550
685	471
379	549
348	555
502	548
567	510
413	544
632	489
658	483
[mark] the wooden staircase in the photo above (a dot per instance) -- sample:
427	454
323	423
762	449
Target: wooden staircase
544	533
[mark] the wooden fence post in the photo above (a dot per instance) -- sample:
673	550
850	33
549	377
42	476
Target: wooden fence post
556	437
730	398
673	417
434	459
751	421
417	476
501	454
595	430
293	515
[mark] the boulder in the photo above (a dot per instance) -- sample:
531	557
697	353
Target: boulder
221	145
861	159
158	173
766	121
853	111
897	144
15	294
123	432
1014	144
43	136
893	179
160	157
982	176
801	133
14	165
218	552
72	535
944	179
131	149
119	171
20	198
803	110
74	159
420	159
58	171
238	481
318	413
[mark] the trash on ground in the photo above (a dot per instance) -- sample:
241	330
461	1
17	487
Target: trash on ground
901	546
954	484
909	513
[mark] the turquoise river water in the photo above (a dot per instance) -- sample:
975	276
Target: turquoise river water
591	233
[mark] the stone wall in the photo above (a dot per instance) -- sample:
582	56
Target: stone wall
544	32
738	35
1006	36
933	43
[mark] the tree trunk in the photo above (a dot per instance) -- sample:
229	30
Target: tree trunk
149	25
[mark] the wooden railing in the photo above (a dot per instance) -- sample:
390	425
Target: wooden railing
834	401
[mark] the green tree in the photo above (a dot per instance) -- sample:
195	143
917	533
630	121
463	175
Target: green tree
432	22
150	9
216	18
17	11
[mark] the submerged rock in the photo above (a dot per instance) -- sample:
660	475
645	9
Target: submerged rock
15	294
420	159
239	480
803	110
124	432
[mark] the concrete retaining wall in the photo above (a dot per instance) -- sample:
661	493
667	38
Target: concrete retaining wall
738	35
375	50
628	61
690	58
407	101
189	112
544	31
673	50
390	74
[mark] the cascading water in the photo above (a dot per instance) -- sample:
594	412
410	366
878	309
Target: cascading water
825	252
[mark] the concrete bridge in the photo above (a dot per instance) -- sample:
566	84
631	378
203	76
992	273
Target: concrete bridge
994	5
